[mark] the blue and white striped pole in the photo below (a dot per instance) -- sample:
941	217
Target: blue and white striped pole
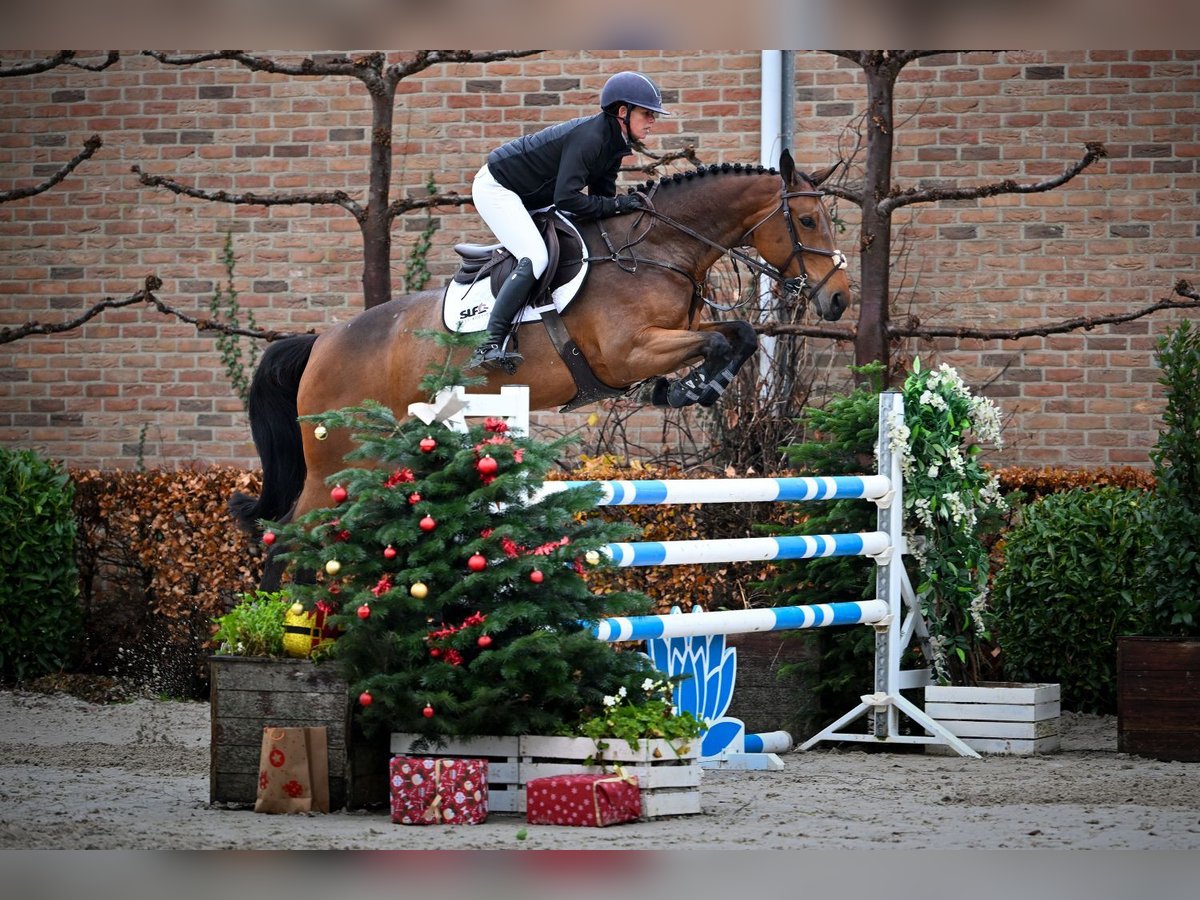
803	546
731	490
740	621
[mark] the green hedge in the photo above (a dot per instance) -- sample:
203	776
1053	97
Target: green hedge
39	582
1072	582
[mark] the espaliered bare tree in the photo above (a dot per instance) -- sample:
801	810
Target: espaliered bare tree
375	216
879	198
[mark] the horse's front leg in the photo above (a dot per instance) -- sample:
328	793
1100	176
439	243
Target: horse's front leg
719	374
724	346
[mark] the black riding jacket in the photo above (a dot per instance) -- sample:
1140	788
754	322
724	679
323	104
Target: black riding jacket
554	165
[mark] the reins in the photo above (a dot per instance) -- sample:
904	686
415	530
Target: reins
794	286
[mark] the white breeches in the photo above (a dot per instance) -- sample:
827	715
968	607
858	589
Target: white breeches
506	215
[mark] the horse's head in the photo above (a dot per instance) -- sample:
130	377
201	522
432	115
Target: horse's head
797	239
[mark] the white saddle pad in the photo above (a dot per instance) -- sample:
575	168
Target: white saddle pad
465	307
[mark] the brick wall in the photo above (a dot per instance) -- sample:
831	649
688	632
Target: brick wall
132	383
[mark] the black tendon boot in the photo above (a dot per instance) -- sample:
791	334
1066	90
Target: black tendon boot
494	353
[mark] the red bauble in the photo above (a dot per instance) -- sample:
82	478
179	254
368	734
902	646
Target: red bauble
536	576
364	611
338	494
427	444
487	465
268	538
476	563
485	640
427	524
365	699
389	552
427	712
436	652
414	498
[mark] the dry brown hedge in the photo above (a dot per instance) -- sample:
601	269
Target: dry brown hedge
159	554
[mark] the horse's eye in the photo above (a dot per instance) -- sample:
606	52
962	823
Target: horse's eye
808	222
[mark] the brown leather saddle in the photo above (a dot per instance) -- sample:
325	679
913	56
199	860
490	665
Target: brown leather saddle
494	262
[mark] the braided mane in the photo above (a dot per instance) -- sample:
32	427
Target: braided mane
714	169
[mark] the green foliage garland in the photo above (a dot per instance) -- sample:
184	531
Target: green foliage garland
946	493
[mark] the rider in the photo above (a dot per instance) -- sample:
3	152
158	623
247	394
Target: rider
552	167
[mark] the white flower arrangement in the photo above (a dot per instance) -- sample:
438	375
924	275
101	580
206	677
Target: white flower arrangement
946	490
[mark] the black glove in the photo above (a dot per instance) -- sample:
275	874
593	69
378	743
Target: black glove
628	203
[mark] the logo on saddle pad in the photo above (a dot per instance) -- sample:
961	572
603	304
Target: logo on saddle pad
469	295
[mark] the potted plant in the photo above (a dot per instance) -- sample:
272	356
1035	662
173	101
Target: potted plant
1158	671
254	683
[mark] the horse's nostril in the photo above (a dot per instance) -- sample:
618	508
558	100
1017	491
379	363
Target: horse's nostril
837	306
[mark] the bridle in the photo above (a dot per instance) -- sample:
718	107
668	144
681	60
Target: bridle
792	287
798	286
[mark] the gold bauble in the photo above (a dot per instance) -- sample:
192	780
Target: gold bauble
320	432
592	557
333	567
419	590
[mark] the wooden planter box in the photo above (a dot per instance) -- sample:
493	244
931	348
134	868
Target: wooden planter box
669	781
1158	697
249	693
999	717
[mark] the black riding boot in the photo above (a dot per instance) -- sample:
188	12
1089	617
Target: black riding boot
493	353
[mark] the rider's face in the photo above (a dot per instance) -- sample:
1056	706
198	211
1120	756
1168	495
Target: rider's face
641	122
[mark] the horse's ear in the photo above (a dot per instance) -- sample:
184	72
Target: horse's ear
817	177
787	167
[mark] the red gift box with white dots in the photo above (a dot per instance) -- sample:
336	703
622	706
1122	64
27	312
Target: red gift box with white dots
438	791
591	800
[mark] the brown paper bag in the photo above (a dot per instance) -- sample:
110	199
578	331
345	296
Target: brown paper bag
293	771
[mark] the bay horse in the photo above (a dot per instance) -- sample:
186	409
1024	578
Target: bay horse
634	320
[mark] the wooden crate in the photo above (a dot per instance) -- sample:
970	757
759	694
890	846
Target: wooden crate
999	717
669	780
1158	697
250	693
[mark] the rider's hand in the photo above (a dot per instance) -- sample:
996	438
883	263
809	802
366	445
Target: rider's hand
629	203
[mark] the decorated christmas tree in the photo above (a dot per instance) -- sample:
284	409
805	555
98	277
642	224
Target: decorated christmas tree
459	588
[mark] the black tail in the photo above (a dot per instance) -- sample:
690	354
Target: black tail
276	432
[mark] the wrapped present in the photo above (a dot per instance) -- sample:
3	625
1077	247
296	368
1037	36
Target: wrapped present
595	800
429	791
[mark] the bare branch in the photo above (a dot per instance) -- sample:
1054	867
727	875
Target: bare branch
62	58
657	161
205	325
334	198
8	335
110	58
1085	323
800	330
426	58
895	200
399	207
90	146
358	67
845	193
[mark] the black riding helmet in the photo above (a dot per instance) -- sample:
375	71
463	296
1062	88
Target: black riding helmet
632	89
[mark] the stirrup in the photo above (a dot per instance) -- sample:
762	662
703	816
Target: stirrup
480	356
